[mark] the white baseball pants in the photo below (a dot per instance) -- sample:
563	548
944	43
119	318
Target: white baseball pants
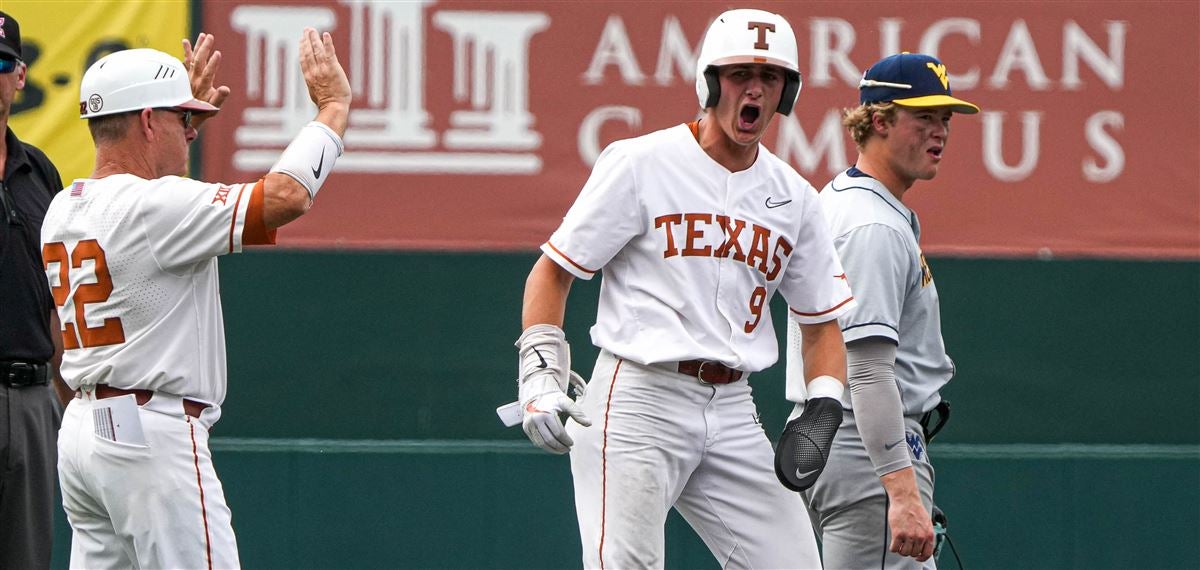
660	439
158	505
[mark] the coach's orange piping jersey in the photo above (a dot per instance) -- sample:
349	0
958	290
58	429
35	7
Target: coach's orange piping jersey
132	265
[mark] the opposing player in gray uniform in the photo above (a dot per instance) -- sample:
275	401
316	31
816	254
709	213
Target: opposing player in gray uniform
871	506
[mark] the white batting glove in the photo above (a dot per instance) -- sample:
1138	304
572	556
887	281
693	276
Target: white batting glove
544	426
545	361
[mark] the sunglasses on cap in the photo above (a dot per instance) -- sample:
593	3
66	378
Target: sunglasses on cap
8	65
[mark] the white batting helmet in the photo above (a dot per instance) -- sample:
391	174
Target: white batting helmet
748	36
135	79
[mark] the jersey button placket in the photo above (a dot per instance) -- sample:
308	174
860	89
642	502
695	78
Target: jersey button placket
723	263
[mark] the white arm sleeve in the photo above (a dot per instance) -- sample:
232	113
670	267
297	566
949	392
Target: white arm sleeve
310	157
877	407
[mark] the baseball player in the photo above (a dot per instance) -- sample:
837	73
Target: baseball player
130	254
872	505
695	227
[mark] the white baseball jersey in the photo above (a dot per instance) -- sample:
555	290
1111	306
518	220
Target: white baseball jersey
877	238
678	236
132	266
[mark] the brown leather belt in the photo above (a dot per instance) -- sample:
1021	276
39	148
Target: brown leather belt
710	372
102	391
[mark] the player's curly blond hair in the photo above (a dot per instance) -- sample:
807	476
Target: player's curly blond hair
858	120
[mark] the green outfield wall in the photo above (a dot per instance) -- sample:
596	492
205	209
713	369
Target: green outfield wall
359	429
382	346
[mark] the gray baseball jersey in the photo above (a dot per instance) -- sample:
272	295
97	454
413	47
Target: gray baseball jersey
877	239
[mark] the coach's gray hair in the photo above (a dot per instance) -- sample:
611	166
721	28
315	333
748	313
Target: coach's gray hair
858	120
109	128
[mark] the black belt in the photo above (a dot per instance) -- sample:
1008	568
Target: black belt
928	418
18	373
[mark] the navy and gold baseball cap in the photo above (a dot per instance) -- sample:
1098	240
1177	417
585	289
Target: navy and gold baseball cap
910	80
10	37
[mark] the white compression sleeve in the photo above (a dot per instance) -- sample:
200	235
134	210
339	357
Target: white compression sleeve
878	410
310	157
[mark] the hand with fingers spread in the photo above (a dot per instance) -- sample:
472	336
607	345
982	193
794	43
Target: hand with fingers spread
202	62
327	84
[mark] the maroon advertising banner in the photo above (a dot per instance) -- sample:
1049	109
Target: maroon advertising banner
475	124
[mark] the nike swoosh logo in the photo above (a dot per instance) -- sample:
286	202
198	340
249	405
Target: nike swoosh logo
540	357
320	166
888	447
800	475
771	204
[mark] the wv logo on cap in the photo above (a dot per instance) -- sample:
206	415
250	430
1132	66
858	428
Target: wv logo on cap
940	70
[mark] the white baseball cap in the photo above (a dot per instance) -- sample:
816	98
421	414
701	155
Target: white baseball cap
135	79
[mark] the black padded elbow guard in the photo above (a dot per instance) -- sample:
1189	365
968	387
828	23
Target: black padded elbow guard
804	445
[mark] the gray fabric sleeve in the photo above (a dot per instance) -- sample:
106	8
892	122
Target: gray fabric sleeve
876	401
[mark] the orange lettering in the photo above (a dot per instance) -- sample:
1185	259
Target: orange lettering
669	220
731	241
758	248
693	234
776	262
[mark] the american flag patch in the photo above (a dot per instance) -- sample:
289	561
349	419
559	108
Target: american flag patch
77	190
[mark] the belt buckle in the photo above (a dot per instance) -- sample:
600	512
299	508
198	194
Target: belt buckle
14	368
700	373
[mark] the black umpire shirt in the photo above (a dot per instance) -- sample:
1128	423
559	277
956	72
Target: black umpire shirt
30	182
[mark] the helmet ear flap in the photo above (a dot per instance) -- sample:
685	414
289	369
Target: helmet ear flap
714	86
791	90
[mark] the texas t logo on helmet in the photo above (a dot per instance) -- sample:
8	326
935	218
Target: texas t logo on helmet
763	28
748	36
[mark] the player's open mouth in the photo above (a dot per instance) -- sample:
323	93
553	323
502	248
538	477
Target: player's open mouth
935	152
748	117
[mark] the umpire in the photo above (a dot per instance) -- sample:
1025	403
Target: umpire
29	410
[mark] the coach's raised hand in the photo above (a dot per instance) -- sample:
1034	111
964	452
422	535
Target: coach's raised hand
292	184
327	84
202	62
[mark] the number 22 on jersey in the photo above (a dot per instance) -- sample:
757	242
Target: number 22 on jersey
78	334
